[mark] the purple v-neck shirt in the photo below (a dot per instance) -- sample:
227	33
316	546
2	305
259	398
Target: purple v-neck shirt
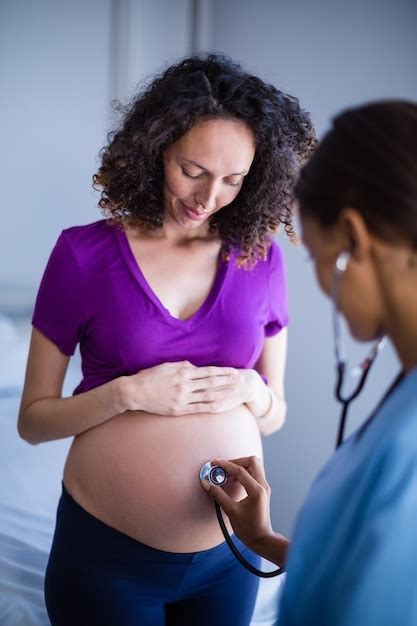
94	293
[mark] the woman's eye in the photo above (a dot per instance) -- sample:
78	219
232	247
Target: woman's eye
235	184
188	175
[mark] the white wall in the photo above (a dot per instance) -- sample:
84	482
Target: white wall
61	64
149	35
54	86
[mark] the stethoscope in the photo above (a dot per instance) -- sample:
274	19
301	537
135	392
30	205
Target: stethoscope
361	371
216	475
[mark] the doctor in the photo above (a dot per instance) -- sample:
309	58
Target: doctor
353	560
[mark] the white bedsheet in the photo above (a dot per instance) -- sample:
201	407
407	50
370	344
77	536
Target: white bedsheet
30	488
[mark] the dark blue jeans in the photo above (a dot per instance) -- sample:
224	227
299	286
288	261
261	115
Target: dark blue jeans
98	576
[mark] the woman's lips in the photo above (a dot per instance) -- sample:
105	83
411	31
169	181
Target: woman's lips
193	215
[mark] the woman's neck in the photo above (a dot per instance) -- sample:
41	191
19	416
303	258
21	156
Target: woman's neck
173	236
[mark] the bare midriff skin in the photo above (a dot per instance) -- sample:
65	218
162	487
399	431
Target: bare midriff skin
139	473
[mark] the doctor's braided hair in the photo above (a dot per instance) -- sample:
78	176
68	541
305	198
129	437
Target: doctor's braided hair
205	87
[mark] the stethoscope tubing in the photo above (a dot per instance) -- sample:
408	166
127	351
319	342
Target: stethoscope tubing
345	401
240	558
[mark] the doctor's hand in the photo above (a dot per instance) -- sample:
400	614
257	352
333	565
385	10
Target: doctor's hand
250	517
179	388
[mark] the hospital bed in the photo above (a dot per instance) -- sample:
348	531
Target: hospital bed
30	488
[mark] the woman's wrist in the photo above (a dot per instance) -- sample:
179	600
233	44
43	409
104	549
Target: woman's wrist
120	397
260	396
272	406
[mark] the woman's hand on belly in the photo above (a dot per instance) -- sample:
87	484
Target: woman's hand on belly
174	389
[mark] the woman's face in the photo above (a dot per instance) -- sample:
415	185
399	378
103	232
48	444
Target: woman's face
358	294
204	170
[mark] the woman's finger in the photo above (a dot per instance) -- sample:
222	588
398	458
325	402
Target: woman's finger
212	370
177	364
211	382
201	407
213	395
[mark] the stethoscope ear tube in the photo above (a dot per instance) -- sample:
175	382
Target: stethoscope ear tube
365	366
345	401
237	554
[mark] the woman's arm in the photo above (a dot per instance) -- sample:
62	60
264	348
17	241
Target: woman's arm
270	364
44	415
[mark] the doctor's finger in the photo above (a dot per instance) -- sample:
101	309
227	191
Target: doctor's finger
220	496
252	464
248	461
254	487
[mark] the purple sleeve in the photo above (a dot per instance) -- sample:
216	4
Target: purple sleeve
59	303
277	290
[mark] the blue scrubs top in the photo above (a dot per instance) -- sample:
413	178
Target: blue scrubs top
353	561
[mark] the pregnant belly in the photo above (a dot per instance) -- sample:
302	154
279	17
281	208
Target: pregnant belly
139	474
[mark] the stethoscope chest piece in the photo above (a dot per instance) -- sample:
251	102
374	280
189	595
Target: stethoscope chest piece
215	474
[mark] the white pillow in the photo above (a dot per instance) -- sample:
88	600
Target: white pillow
14	346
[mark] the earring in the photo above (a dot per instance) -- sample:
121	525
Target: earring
342	261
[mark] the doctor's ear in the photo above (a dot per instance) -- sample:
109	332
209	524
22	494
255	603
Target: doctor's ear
358	237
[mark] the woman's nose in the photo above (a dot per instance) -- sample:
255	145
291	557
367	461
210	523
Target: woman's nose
206	196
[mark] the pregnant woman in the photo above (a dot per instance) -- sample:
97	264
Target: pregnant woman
177	300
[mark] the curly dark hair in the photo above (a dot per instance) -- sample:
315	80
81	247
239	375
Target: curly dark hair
205	87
